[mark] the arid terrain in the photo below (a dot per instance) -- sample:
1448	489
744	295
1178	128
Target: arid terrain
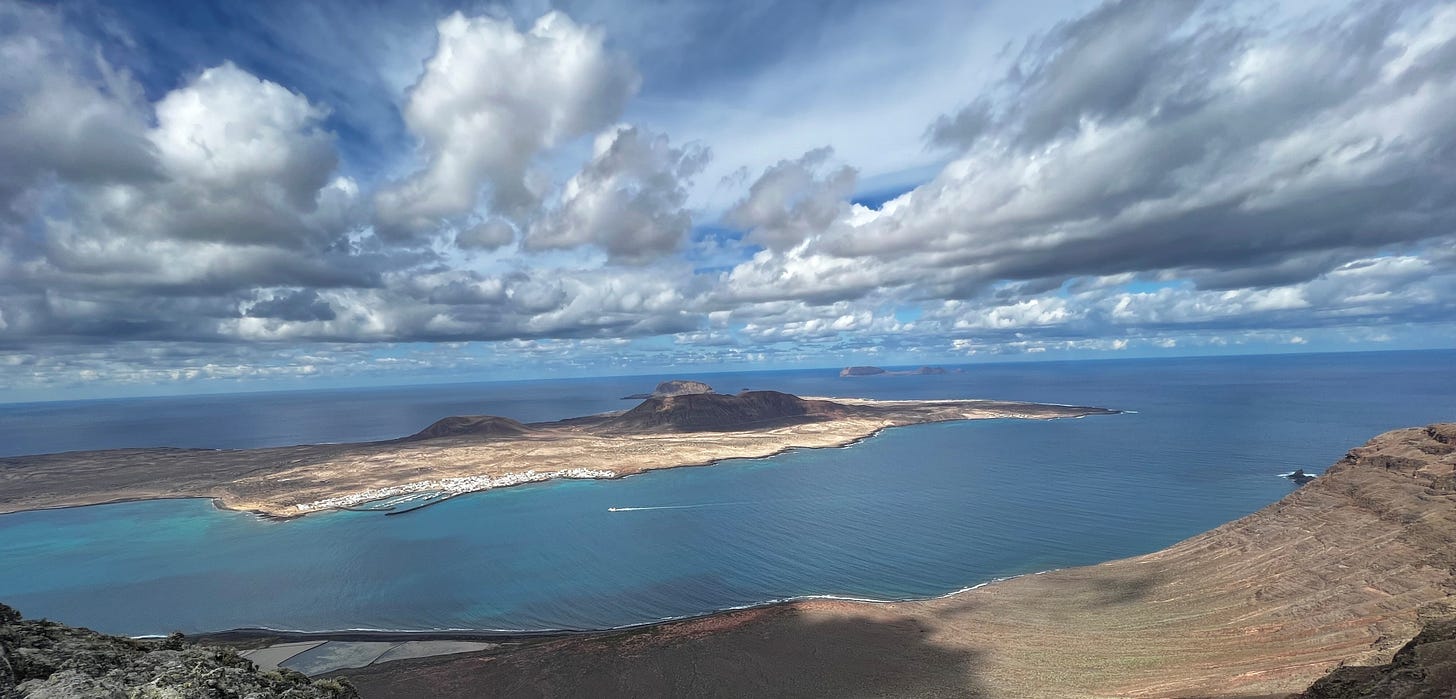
1343	572
471	453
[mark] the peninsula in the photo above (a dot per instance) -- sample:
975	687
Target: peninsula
465	454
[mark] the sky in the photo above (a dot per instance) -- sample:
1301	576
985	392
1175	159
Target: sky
213	196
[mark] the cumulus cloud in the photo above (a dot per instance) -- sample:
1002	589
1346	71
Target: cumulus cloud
65	116
627	201
294	305
1147	176
491	99
225	184
252	140
246	185
489	235
794	199
1220	148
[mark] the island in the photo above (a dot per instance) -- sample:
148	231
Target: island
675	387
853	371
1344	588
465	454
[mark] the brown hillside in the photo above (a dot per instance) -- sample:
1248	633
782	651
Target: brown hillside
714	412
471	426
1344	571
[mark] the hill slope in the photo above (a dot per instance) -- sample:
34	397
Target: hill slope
1344	570
702	412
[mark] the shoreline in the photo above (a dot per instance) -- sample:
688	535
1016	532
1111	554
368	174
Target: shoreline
619	476
245	634
218	503
1339	573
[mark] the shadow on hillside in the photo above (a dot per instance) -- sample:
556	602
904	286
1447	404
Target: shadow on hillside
779	652
1114	591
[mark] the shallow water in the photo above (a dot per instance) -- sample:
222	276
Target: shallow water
916	511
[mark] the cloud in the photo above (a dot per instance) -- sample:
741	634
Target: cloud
65	116
963	129
491	99
627	201
296	305
794	199
1243	153
246	184
255	142
1143	177
493	233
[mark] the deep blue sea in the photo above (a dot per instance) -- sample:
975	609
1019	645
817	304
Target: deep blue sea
914	512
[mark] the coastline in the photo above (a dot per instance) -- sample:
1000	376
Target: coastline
283	483
245	634
1343	571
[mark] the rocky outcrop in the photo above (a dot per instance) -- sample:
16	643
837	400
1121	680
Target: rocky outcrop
471	426
45	660
1425	668
861	371
1299	476
675	387
714	412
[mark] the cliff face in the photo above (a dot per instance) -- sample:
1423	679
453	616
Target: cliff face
1425	668
45	660
714	412
1342	572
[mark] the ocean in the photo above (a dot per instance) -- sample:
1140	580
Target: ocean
913	512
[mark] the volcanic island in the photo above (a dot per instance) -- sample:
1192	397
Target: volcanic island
464	454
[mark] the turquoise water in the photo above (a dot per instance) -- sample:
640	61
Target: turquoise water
913	512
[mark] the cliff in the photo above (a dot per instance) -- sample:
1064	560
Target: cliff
1425	668
44	660
1339	577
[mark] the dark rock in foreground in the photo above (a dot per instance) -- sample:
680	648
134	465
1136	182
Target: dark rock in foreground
1300	477
1425	668
43	659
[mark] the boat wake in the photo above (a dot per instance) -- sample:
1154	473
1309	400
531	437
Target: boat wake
676	507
